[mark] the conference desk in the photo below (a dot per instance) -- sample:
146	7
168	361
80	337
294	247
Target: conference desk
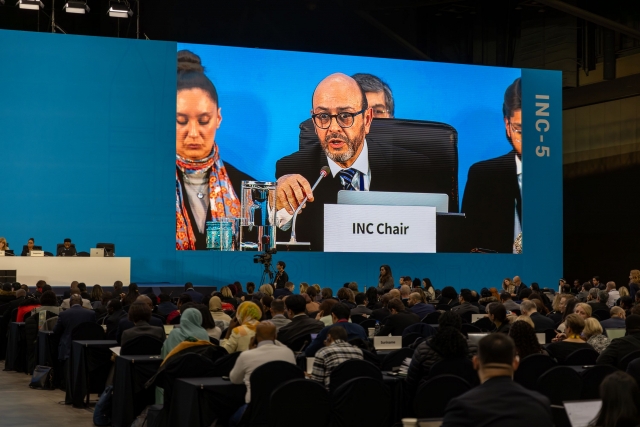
130	396
89	366
16	348
64	270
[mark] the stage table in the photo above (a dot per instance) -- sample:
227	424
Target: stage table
16	358
89	366
129	395
59	271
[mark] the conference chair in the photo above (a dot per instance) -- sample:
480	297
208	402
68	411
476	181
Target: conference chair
224	364
628	359
357	318
584	356
633	369
300	343
468	328
422	329
369	323
549	335
371	357
297	402
143	345
531	368
432	318
591	379
409	339
349	404
461	367
466	317
433	396
87	331
350	369
443	307
602	314
485	324
83	254
395	358
109	248
560	384
263	380
176	321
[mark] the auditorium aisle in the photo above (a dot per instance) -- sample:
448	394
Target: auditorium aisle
22	406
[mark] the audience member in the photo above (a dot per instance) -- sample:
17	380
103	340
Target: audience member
541	322
303	288
266	289
361	306
574	325
498	315
336	350
418	305
166	306
353	286
208	323
228	298
190	328
614	295
620	347
524	294
465	304
508	303
195	295
301	324
340	315
508	287
132	294
48	302
75	291
251	287
39	288
583	295
311	305
399	319
620	402
592	333
601	302
266	302
182	300
325	307
83	291
264	349
125	322
285	291
429	289
405	291
346	297
21	295
448	296
446	344
96	294
114	314
498	401
518	286
7	294
277	314
67	321
327	293
616	321
583	310
140	316
242	328
525	339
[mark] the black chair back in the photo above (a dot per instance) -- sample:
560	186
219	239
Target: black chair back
224	364
466	317
186	365
423	329
591	379
357	318
624	362
87	331
462	368
300	343
369	323
443	307
263	380
143	345
350	395
409	339
560	384
549	335
176	321
371	357
531	368
633	369
350	369
294	400
485	324
432	318
584	356
468	328
395	358
433	396
602	314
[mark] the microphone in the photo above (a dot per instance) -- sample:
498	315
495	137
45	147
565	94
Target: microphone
323	172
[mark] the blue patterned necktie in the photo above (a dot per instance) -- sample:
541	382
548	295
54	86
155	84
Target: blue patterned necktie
346	177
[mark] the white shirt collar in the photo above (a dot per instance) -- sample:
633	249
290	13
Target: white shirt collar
361	163
518	165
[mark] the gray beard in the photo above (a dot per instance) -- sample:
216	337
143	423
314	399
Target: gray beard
352	147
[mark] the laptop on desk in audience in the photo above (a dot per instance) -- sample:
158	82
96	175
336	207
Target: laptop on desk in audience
387	343
616	333
96	252
474	339
476	317
582	412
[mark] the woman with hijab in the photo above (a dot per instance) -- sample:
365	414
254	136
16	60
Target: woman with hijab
220	318
242	328
190	328
206	188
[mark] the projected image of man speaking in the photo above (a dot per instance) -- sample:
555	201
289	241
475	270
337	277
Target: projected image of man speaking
342	119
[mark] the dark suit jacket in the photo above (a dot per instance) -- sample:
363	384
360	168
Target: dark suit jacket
281	279
499	402
126	324
619	348
598	306
613	323
542	323
6	317
142	328
67	320
490	199
396	323
195	295
380	314
112	322
281	293
388	166
299	326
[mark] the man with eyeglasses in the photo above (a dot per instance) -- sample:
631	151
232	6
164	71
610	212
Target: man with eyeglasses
342	118
492	199
379	95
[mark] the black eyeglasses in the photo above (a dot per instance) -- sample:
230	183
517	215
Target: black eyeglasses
344	119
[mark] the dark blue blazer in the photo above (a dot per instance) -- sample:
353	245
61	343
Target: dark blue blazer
195	295
125	324
353	331
67	320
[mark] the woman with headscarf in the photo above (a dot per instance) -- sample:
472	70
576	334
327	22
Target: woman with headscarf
220	318
190	328
242	328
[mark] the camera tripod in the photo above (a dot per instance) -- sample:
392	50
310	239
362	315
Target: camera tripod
268	271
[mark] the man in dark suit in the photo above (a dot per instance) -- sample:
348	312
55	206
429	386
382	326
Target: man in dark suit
620	347
342	119
114	308
140	316
498	401
617	319
300	324
281	276
195	295
284	291
465	304
399	320
67	321
492	199
542	323
126	323
600	303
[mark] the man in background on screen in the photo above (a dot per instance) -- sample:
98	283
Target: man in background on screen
342	118
379	95
492	199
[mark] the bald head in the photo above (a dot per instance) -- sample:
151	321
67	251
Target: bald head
145	299
516	280
405	291
339	86
394	293
265	331
75	300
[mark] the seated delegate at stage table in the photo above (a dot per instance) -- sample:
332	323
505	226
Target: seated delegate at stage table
28	247
206	187
66	249
4	246
492	199
342	119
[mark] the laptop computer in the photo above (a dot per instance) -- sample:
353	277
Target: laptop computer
96	252
476	317
582	412
542	338
616	333
387	198
387	343
474	339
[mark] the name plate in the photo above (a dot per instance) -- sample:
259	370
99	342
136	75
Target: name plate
387	343
368	228
1	253
36	253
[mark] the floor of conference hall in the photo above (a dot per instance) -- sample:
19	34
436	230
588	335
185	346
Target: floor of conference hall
25	407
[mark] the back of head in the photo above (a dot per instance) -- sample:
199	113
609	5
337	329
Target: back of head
191	75
21	293
394	293
505	296
164	297
496	349
603	296
354	287
341	311
405	291
448	341
326	306
266	289
188	285
465	294
115	304
620	401
417	297
616	311
360	298
265	331
396	304
592	327
75	300
528	306
524	337
139	311
185	298
338	333
449	292
632	323
74	291
525	293
117	286
587	286
82	286
16	286
251	287
611	286
575	322
133	289
327	293
267	300
498	311
7	287
312	292
48	298
593	293
277	306
289	285
296	304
